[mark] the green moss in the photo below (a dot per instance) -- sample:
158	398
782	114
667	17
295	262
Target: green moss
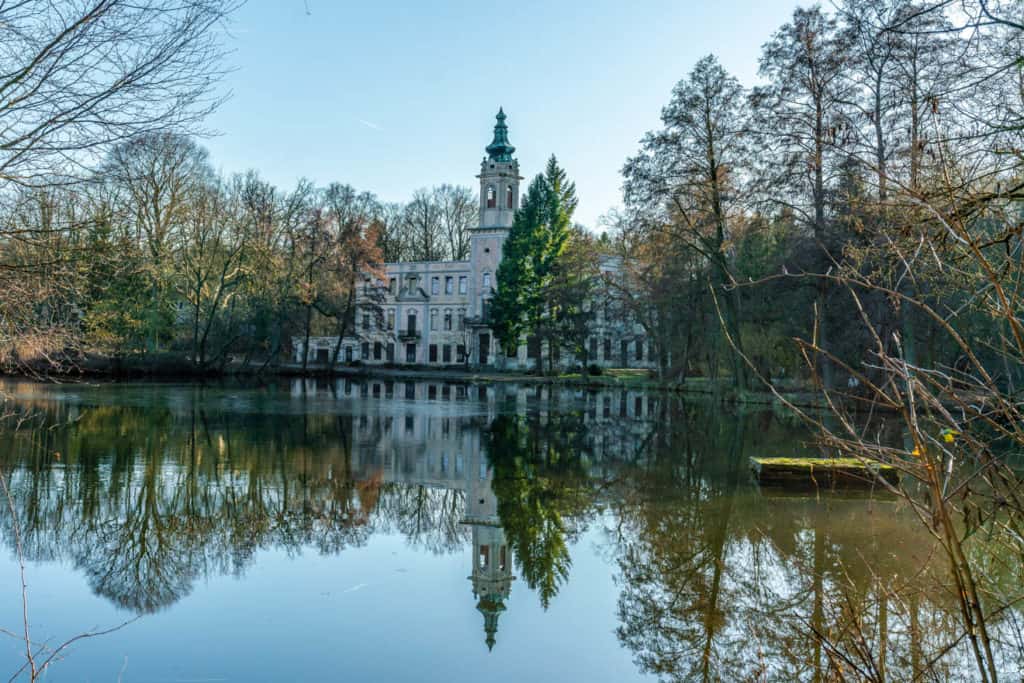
819	463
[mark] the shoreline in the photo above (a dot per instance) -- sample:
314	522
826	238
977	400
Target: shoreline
177	369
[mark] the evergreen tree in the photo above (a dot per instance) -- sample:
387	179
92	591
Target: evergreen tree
537	239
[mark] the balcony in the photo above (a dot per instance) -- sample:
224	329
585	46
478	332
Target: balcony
408	335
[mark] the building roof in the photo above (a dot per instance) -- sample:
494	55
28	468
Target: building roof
500	149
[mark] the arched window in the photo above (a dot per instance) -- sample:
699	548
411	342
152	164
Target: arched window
487	281
492	197
509	196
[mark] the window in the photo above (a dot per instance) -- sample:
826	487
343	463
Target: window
448	319
593	348
378	350
391	285
432	349
366	320
391	318
433	319
487	281
462	284
365	351
607	348
462	318
460	353
448	282
446	353
639	349
348	354
492	197
435	285
509	197
410	322
625	351
391	352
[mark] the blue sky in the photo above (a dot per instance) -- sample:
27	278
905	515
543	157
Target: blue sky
393	96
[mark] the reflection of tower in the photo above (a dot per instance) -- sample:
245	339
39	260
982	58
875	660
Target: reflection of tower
492	559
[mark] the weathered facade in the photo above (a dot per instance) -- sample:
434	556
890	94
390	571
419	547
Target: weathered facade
435	313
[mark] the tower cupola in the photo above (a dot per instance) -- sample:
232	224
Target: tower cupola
500	149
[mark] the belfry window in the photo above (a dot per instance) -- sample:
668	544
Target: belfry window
509	196
492	197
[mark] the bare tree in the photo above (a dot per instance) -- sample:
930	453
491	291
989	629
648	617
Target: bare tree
423	227
458	214
79	75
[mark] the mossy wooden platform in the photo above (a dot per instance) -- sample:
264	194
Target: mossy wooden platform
821	473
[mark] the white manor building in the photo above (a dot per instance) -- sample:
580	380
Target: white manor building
435	313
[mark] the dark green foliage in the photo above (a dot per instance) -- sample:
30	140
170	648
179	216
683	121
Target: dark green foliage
536	241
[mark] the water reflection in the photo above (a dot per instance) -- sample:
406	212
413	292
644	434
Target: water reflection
146	489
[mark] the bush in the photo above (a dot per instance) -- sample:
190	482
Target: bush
594	369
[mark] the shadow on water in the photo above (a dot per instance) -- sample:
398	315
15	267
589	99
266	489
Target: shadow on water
147	489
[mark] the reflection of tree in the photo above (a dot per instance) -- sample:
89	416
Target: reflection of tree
723	582
145	499
540	480
427	516
674	558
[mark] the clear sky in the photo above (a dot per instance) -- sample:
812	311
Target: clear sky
392	96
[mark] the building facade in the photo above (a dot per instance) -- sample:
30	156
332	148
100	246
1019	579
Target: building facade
435	313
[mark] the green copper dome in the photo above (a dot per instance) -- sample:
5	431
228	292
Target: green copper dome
500	149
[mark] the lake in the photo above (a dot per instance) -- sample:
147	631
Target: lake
431	531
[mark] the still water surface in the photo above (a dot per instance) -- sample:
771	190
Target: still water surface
401	531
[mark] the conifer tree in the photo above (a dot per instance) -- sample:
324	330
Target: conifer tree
538	237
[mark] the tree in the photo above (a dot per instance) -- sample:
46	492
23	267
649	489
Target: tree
158	179
213	256
687	176
355	257
802	119
391	236
458	212
537	239
570	296
81	75
422	224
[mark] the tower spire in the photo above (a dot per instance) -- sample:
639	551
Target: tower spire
500	149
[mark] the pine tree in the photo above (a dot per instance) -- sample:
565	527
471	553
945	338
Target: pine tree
538	237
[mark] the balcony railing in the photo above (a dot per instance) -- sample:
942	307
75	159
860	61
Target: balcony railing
409	335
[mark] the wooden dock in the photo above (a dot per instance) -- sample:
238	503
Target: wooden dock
821	473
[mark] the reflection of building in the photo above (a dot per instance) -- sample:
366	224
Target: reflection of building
436	312
433	434
492	558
